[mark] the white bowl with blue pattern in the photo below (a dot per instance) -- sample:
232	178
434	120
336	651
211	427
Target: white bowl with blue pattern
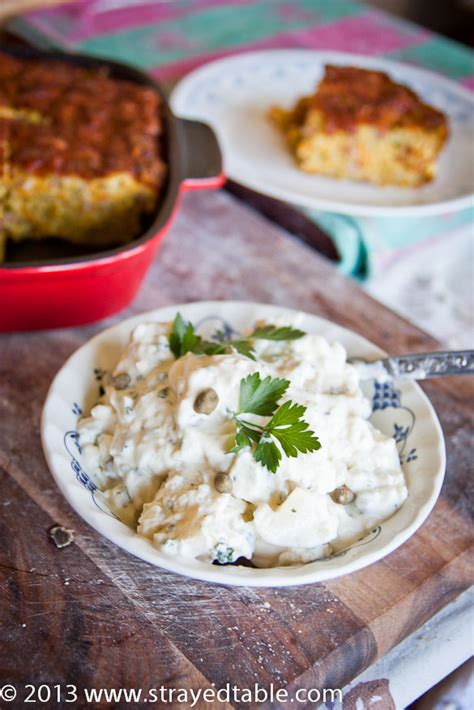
234	94
400	409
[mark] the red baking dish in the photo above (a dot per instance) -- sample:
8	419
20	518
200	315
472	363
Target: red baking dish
74	290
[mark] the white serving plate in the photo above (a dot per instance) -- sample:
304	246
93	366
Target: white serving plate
400	409
234	94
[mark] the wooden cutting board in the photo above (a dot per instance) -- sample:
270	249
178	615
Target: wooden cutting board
94	616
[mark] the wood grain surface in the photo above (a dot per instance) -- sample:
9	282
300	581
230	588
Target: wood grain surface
92	615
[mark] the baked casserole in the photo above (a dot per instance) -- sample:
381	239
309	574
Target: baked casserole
362	125
80	154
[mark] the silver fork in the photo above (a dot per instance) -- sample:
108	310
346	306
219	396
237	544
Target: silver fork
418	366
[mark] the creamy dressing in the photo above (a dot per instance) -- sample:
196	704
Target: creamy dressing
155	458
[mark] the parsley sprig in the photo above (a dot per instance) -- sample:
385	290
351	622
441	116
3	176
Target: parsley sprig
183	339
286	426
273	332
286	429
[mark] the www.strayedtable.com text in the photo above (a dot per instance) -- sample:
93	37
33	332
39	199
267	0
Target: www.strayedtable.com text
70	693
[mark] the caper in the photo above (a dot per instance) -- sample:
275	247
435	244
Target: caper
206	401
342	495
223	483
121	381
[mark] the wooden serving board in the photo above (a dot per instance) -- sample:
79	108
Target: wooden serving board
92	615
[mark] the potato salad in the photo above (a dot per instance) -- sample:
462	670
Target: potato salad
254	447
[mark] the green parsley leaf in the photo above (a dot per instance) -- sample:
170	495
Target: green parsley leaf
292	432
183	339
259	396
244	347
288	413
244	437
273	332
241	441
286	426
208	347
191	343
176	336
268	454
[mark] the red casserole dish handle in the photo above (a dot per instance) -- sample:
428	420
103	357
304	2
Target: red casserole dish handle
201	162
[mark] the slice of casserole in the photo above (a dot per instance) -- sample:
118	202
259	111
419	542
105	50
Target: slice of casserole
80	153
361	125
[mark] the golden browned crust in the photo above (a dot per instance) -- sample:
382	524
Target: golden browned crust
91	125
349	97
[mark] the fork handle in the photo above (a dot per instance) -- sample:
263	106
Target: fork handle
428	365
